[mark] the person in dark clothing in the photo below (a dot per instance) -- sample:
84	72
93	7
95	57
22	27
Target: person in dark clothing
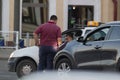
50	39
68	38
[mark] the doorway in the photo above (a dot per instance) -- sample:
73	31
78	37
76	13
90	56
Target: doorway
79	15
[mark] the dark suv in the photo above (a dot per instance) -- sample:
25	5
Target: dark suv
100	48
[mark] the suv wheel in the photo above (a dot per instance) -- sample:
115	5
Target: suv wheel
118	67
63	65
25	67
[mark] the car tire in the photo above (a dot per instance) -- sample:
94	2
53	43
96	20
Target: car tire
63	65
25	67
118	67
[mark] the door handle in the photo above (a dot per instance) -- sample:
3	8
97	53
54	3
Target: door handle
88	44
97	47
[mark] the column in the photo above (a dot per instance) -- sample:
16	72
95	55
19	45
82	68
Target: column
107	10
60	13
11	17
5	15
52	7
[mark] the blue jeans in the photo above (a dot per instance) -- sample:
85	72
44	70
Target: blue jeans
46	55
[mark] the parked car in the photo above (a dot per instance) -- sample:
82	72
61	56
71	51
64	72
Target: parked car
25	60
100	48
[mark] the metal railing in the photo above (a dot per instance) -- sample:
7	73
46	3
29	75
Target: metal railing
11	39
28	39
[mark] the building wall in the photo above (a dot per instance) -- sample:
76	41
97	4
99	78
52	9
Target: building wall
107	10
59	13
118	10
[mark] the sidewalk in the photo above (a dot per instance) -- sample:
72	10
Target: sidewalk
5	53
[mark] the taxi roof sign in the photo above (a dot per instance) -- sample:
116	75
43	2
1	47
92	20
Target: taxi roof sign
93	23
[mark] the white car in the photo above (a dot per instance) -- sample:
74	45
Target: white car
25	60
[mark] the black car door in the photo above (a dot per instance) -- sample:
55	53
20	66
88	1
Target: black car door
89	54
111	47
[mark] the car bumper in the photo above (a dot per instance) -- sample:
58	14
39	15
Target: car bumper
12	62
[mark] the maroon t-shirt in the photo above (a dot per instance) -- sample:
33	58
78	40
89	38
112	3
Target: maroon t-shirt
49	32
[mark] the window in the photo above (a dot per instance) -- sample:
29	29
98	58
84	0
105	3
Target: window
98	35
34	13
115	34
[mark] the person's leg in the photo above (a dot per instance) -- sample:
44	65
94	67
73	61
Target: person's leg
42	58
50	58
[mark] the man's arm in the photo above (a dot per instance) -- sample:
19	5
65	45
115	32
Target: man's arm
36	38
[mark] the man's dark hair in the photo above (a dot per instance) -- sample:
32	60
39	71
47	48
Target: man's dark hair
70	34
53	17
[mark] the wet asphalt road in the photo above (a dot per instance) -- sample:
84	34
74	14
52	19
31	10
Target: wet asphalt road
4	73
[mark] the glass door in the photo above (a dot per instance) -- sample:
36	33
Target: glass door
79	15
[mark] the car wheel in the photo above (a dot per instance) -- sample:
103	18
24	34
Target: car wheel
63	65
118	67
25	67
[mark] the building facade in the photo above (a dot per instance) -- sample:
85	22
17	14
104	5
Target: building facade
25	15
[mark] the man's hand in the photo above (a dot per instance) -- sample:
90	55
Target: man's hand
59	41
37	44
36	39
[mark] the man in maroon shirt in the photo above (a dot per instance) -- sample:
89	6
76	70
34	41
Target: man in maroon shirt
50	39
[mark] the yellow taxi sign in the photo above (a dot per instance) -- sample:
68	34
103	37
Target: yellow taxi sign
92	23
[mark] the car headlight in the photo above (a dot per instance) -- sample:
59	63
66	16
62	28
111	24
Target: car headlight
11	55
